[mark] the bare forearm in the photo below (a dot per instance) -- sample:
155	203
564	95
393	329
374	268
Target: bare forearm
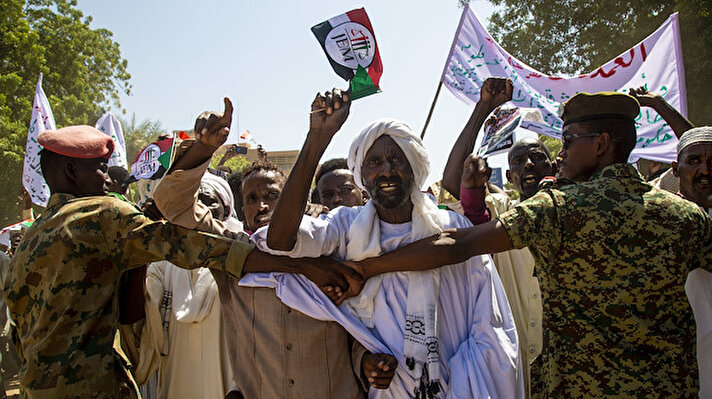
262	262
289	210
447	248
463	147
678	123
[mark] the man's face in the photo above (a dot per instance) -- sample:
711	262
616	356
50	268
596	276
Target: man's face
91	177
210	198
337	188
260	191
578	153
529	162
694	168
387	174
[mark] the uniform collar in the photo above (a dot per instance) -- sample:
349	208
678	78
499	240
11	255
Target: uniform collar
617	171
59	199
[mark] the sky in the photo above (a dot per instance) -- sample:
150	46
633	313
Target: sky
185	56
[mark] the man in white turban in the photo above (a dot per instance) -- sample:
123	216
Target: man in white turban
450	329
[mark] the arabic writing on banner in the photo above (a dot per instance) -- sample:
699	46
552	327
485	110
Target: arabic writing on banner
655	63
42	119
110	126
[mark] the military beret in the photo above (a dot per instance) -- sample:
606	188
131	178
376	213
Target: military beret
607	104
79	141
697	135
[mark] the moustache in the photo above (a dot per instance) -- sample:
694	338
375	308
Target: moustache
261	213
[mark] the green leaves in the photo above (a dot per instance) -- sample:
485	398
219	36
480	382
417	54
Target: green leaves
575	36
83	75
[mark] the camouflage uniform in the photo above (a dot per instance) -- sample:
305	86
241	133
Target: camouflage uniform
612	256
62	289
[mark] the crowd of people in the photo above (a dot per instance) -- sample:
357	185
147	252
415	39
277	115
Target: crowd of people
345	280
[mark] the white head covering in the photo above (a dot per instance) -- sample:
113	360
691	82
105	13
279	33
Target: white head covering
364	242
221	188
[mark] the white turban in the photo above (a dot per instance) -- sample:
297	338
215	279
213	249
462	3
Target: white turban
221	188
364	242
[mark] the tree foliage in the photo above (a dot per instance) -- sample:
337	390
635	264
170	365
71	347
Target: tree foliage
138	135
83	70
575	36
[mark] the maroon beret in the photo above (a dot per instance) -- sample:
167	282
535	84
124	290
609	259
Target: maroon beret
79	141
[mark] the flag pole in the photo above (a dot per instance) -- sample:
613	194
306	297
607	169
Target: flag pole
442	76
432	107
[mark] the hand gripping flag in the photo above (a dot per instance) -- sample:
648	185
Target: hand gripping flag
350	46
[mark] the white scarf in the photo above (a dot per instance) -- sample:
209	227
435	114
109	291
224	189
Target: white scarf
420	329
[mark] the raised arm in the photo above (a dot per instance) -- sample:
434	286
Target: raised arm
495	92
329	112
678	123
211	131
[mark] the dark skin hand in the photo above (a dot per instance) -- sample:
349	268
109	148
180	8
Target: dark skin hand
678	123
494	92
229	154
325	272
291	204
211	131
475	172
379	369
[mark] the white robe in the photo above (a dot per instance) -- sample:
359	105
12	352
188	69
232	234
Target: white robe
191	358
478	342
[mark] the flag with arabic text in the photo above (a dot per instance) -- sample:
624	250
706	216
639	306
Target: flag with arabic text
655	63
350	45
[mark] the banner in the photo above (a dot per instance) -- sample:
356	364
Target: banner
152	162
655	63
350	46
42	119
110	126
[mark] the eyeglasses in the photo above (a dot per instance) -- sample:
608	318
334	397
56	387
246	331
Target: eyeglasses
566	140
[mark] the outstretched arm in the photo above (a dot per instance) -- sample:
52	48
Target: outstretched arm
678	123
329	112
446	248
495	92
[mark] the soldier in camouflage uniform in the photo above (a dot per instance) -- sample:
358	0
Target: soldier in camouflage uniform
62	287
612	255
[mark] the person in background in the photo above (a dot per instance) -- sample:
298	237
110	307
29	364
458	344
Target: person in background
336	187
612	256
276	352
529	162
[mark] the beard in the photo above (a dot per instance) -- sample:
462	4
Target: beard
393	199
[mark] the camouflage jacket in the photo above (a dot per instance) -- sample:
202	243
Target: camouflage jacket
612	255
62	289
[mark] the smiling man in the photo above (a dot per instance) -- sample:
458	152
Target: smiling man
450	329
612	256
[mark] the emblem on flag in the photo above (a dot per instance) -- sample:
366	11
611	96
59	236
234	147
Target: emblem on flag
350	46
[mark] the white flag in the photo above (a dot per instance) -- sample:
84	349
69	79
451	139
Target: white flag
655	63
109	125
42	119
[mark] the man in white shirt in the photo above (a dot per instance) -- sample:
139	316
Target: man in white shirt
450	329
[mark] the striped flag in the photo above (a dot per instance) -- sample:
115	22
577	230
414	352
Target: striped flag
350	46
152	162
